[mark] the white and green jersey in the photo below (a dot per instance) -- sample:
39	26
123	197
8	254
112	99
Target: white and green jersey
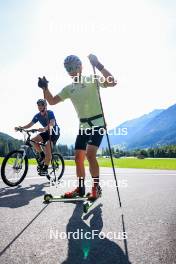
84	96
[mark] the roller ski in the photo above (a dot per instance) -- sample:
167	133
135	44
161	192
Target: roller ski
92	198
76	195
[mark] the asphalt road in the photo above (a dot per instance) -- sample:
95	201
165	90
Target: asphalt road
142	231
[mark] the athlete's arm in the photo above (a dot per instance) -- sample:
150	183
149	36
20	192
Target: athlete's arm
51	125
109	80
52	122
52	100
26	126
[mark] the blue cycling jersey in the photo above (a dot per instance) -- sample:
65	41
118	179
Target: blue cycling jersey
44	119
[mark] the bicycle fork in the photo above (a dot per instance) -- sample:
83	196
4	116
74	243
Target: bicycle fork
23	149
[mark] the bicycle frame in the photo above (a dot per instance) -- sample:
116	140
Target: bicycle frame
27	143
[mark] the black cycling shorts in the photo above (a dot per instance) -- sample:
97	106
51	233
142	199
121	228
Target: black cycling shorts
45	136
90	137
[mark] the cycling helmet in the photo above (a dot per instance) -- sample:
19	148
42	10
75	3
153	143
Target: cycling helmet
42	101
72	63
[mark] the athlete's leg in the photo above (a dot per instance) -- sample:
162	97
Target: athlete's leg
79	160
47	159
80	172
91	152
36	145
48	154
80	153
39	151
94	170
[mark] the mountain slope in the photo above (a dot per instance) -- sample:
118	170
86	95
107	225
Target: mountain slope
133	127
8	143
154	129
159	131
4	136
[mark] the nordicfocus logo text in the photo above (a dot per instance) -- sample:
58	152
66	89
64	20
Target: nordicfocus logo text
118	131
92	79
93	234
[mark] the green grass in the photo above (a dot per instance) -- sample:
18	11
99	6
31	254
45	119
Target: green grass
162	164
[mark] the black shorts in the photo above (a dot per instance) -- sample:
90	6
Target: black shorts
45	136
90	137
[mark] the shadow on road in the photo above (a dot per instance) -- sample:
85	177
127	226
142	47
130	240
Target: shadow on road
94	250
20	196
23	230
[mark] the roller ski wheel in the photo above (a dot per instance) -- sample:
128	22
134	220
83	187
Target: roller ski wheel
47	198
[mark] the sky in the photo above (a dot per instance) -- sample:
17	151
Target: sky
135	40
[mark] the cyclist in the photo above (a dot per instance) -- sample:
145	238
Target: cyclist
49	134
84	96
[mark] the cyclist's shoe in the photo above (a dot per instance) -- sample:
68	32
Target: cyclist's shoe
79	191
44	171
95	194
39	167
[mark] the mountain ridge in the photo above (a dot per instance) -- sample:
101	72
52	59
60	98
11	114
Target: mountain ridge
157	128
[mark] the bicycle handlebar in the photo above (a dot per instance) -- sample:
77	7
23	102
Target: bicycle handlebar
27	131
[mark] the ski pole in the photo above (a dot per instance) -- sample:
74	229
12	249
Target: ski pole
107	136
47	118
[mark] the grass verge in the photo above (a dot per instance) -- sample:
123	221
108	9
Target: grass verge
162	164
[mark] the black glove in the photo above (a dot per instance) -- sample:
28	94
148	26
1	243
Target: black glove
18	129
43	83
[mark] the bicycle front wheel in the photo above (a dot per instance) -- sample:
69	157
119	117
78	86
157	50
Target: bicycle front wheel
14	168
56	167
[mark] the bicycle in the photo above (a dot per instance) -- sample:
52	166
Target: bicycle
15	165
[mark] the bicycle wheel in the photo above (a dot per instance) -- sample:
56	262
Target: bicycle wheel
56	167
14	168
